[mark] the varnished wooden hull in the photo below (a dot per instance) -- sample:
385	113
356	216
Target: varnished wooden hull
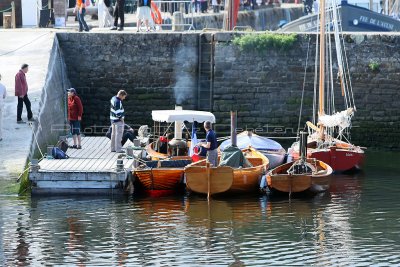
278	178
226	179
160	178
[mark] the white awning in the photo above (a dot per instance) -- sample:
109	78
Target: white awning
182	115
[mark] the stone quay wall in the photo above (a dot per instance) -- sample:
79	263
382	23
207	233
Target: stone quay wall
52	121
265	87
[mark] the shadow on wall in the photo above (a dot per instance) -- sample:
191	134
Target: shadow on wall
52	116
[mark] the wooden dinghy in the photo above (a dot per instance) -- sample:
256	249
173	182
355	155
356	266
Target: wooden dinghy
305	174
205	179
163	174
288	178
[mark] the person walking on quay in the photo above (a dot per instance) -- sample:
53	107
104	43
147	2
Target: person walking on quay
21	91
75	112
119	12
117	117
81	11
211	144
143	14
3	95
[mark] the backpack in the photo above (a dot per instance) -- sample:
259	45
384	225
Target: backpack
62	145
57	153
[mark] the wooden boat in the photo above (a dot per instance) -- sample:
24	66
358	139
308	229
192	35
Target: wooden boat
336	151
305	174
270	148
162	147
285	179
165	172
203	179
162	174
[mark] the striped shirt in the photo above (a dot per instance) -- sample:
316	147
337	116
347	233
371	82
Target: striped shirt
116	109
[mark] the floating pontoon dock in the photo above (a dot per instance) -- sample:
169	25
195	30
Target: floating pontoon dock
92	169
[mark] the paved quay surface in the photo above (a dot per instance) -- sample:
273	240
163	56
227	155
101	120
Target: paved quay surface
18	46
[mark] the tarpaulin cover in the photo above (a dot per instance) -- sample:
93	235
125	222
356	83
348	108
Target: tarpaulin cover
255	141
233	157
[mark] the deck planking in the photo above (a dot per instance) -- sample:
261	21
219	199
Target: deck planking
95	156
90	169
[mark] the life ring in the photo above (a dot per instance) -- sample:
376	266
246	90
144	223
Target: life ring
155	14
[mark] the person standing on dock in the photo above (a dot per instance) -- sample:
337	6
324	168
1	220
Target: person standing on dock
211	144
119	12
75	112
21	91
3	95
117	117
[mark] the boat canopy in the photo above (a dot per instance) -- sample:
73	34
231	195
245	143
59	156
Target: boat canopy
255	141
182	115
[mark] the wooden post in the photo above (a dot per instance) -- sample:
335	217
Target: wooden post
14	25
233	128
208	180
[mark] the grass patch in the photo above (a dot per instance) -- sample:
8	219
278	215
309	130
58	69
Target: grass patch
374	66
264	41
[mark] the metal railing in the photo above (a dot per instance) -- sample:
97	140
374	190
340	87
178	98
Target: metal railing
168	8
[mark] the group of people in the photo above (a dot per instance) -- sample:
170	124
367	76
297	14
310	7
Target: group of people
119	132
117	116
143	14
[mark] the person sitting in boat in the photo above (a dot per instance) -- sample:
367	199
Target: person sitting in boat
211	144
129	133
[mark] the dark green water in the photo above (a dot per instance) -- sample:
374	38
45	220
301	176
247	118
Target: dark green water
357	223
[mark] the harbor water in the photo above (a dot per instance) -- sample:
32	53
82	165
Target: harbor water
356	223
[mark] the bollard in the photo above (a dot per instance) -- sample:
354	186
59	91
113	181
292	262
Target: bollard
34	165
7	20
129	151
120	164
177	23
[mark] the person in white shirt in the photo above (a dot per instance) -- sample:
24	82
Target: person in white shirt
3	94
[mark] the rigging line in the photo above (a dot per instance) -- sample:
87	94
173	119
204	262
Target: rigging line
316	73
18	48
330	94
339	53
304	85
350	86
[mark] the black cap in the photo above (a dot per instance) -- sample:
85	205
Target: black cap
72	90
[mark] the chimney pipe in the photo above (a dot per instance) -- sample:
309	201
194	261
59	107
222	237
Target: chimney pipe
233	128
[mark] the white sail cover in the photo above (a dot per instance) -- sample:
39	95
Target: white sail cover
182	115
340	119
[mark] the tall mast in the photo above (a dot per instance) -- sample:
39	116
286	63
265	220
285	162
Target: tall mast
321	110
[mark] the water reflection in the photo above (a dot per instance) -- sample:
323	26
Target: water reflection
353	224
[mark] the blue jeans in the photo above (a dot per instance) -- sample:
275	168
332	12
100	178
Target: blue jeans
82	22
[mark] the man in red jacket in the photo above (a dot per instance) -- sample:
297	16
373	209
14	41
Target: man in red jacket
21	91
75	111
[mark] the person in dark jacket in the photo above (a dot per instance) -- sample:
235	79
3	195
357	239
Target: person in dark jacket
21	91
75	112
129	133
117	117
119	12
